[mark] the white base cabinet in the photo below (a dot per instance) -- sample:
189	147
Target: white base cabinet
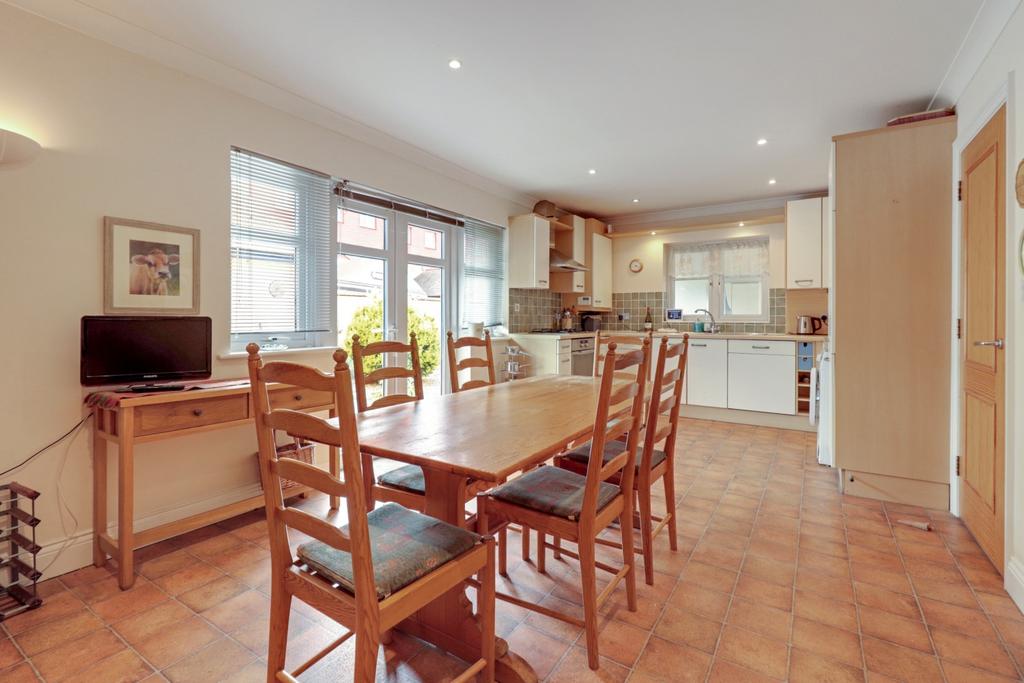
762	376
707	370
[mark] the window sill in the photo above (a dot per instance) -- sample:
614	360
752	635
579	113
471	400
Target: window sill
306	350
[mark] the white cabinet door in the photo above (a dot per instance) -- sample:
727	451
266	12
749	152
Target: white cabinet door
803	243
528	259
579	252
601	271
707	373
827	223
762	382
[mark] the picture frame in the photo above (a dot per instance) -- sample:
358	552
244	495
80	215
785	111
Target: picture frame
149	268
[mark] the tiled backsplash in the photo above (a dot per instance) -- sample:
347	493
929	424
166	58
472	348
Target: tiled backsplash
537	309
636	304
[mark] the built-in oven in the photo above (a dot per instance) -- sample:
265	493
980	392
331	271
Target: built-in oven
583	356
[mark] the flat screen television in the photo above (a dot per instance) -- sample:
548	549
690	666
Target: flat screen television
154	350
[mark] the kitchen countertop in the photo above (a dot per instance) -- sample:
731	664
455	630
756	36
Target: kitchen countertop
693	335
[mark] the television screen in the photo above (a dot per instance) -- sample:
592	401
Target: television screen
145	349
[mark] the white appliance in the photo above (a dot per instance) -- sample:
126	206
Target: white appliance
821	407
583	356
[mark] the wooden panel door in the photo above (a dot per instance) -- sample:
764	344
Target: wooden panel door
983	360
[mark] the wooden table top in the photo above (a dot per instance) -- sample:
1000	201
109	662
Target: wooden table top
487	433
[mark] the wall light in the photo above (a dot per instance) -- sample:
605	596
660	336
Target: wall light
15	148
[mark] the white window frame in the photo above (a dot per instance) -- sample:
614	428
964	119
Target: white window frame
716	290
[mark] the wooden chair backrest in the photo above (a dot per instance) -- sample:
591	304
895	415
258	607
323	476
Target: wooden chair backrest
455	366
619	412
601	342
666	395
386	372
299	425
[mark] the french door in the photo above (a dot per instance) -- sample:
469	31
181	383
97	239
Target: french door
396	276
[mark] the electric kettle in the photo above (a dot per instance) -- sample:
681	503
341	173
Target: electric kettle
808	324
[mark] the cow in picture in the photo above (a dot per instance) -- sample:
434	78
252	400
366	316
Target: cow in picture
151	272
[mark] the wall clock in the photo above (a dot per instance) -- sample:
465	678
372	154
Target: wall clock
635	266
1020	183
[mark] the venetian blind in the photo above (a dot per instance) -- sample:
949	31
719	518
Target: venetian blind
482	289
281	247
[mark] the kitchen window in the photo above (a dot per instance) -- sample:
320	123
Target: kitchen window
727	277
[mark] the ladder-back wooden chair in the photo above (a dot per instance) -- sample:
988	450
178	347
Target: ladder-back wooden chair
622	342
660	427
455	366
405	484
375	571
578	507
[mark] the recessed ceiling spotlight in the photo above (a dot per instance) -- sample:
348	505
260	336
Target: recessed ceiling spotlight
653	233
742	224
636	201
762	141
771	181
592	171
454	64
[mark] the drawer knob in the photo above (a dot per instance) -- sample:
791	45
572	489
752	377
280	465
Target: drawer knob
297	397
197	412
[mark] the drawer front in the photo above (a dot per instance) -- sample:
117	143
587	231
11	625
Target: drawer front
295	398
763	347
764	383
169	417
564	345
565	364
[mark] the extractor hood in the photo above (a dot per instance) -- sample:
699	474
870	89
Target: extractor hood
559	262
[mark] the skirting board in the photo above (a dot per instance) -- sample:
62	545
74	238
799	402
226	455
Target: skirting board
78	552
749	417
1013	581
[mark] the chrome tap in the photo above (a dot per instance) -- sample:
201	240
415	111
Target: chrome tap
714	325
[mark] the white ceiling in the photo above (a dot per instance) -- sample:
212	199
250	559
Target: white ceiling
664	98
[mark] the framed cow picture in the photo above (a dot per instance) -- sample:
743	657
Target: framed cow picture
149	268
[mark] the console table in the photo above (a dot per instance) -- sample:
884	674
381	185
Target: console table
141	418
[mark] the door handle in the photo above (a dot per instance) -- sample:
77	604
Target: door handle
996	343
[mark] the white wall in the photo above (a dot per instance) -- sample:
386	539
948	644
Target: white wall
126	137
650	249
1004	67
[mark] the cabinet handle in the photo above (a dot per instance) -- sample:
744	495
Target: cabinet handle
198	412
764	348
703	346
297	397
543	282
803	281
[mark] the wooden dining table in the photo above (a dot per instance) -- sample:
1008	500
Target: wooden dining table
488	434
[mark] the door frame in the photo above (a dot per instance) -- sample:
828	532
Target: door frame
998	99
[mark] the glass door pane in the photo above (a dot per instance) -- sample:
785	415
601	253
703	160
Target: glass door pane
425	316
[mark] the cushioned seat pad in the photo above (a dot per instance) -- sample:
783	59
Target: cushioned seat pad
611	449
553	491
405	545
408	478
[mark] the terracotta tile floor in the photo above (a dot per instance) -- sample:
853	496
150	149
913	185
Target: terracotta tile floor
777	577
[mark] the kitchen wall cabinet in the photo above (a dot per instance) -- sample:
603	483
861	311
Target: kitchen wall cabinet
572	243
707	372
762	376
601	271
804	224
529	242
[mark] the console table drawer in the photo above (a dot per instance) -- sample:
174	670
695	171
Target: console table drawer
298	399
169	417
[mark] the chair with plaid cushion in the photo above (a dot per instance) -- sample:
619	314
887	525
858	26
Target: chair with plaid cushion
375	571
578	507
652	464
404	484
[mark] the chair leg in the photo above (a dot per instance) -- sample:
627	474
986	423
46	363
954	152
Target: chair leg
369	479
542	551
367	645
629	555
526	542
503	552
277	647
670	507
588	582
644	496
485	614
558	547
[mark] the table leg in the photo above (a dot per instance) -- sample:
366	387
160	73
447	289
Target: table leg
125	499
449	622
99	487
